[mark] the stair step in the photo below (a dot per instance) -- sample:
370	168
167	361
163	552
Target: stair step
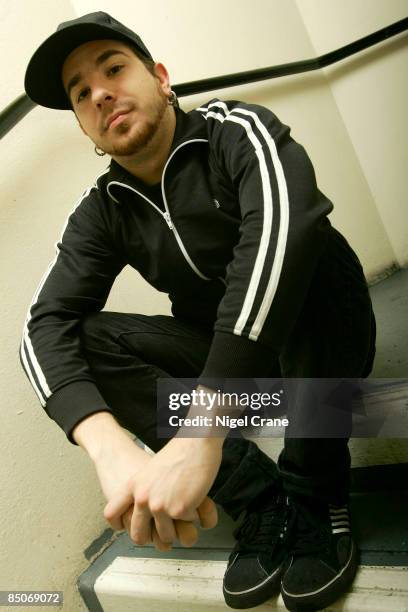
140	584
129	577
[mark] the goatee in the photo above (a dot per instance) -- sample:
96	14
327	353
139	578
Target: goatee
143	133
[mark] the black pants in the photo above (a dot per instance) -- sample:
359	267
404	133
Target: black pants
334	336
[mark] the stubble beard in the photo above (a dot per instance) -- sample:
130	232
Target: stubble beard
142	135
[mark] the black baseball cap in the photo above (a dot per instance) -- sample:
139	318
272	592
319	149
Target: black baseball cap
43	82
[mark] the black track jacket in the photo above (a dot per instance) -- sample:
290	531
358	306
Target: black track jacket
234	243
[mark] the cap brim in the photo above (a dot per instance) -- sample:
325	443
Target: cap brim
43	82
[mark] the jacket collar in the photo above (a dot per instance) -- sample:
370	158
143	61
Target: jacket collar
189	126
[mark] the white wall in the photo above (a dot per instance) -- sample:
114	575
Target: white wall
371	93
51	507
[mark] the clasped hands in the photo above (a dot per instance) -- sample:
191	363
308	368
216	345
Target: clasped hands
168	494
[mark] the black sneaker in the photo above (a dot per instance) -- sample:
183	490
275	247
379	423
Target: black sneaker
258	559
324	557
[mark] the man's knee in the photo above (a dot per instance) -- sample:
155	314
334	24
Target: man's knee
114	332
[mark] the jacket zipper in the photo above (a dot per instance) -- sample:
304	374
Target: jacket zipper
168	218
166	215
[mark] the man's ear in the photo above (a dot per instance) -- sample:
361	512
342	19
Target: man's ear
163	77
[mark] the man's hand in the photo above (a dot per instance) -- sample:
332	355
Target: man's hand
186	531
172	487
117	463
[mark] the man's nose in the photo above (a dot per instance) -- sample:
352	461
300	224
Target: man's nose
102	95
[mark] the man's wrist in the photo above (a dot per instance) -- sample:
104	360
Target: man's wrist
98	431
210	438
205	412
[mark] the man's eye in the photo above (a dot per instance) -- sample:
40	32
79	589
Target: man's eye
114	69
82	94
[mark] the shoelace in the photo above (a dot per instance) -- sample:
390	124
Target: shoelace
312	533
261	530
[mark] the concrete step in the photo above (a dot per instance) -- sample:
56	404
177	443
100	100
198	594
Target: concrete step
158	585
128	577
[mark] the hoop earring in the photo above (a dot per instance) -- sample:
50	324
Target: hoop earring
172	99
99	151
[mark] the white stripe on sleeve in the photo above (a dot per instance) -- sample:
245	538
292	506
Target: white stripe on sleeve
268	217
26	341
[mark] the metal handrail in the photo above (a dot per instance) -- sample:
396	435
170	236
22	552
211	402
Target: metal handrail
22	105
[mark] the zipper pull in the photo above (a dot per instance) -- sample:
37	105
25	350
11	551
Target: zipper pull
168	220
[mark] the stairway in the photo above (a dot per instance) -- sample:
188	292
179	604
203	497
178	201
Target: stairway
125	577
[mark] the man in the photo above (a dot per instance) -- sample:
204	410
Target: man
218	208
